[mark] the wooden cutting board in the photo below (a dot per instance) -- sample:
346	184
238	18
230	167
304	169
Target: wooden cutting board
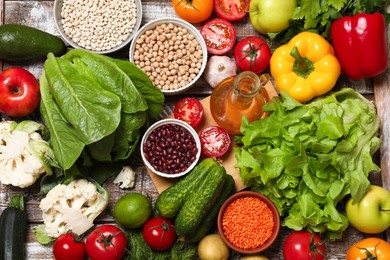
228	160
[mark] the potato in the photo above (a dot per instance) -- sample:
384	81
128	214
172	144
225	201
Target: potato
254	257
212	247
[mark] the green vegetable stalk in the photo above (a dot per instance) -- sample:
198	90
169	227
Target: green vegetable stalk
308	157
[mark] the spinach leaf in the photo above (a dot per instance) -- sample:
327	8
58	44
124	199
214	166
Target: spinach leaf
128	135
94	111
64	138
91	110
153	96
110	77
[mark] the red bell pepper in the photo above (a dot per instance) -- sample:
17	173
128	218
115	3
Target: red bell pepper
359	42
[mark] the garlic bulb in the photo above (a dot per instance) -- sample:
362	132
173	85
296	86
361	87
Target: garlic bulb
219	68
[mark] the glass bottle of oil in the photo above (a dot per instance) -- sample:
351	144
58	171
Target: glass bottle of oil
238	96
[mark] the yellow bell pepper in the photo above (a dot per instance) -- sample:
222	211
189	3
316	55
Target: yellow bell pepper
305	67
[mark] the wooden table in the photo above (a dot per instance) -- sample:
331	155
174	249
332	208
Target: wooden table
39	14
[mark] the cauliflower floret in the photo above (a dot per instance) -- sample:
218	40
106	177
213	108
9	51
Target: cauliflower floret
72	207
22	153
125	178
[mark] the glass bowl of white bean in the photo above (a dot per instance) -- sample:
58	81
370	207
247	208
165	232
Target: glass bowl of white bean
172	52
98	26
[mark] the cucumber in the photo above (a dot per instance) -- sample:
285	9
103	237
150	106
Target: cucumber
20	42
200	201
171	200
13	222
210	219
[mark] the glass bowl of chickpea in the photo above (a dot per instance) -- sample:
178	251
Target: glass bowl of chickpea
172	52
100	27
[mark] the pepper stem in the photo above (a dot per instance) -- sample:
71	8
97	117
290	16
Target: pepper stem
302	65
17	201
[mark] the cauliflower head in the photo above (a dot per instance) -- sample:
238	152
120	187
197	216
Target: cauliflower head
72	207
24	155
125	178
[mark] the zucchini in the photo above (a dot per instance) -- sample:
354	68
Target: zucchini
171	200
200	201
13	222
211	217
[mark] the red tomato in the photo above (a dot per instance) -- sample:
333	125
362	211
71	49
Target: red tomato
215	141
69	246
193	11
303	245
369	248
252	53
219	35
159	233
231	10
106	242
189	110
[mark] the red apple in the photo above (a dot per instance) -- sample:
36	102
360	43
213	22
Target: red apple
19	92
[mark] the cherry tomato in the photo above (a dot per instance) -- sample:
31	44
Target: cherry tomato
252	53
189	110
159	233
369	248
303	245
231	10
219	35
215	141
193	11
106	242
69	246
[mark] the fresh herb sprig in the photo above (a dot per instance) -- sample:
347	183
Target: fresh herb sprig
317	16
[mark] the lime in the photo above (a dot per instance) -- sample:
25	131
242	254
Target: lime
132	210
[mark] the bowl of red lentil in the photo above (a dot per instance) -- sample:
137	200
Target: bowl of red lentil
170	148
248	222
172	52
99	26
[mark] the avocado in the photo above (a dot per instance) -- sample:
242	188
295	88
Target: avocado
20	42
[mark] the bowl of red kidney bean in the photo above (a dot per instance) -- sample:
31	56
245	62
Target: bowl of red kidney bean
170	148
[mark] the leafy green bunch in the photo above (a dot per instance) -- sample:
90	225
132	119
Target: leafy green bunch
96	108
308	157
317	16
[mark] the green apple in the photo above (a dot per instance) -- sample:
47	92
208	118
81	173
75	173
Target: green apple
271	16
371	214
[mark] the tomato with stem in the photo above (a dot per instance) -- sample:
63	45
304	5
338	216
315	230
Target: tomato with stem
193	11
159	233
369	248
106	242
303	245
252	54
69	246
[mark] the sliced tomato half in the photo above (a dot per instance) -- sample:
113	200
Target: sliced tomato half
215	141
219	35
189	110
231	10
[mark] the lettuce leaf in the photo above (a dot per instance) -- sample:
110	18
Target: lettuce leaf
93	118
96	107
308	157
